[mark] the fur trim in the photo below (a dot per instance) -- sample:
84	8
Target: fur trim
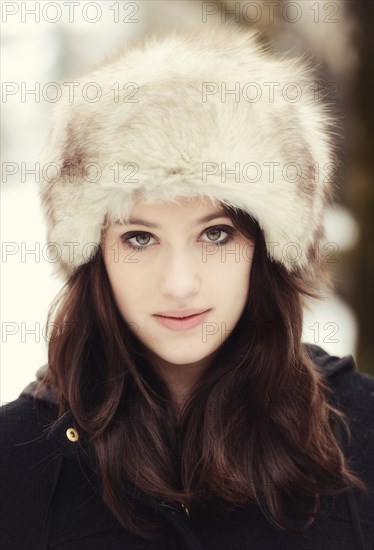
180	143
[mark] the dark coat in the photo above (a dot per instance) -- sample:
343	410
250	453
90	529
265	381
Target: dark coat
50	497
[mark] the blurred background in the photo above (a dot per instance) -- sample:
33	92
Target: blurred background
48	42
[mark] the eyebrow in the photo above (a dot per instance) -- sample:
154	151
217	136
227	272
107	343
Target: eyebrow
204	219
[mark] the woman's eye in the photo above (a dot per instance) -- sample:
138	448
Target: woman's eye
136	240
213	234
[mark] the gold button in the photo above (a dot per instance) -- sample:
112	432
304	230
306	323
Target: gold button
72	434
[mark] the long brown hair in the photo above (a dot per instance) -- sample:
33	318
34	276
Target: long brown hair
258	427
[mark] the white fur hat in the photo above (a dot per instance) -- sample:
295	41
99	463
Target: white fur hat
208	113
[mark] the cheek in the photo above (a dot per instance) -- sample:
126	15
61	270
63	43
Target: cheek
235	281
234	269
115	271
228	289
131	289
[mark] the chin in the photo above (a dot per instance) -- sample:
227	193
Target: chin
181	359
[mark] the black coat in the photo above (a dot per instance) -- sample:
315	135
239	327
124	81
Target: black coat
50	498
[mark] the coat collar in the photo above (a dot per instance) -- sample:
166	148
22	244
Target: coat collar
60	431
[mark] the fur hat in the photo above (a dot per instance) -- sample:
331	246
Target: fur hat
208	113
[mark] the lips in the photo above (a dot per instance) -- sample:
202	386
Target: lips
182	323
180	314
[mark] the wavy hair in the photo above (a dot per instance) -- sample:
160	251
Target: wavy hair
258	429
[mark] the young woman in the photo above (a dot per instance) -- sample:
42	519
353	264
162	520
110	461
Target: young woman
179	408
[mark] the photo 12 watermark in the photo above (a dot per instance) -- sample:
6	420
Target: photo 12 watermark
270	92
270	171
34	331
69	91
268	12
69	12
318	333
69	172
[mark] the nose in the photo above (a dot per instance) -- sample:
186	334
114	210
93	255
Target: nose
180	277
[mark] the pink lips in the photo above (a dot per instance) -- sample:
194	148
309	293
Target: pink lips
180	312
182	323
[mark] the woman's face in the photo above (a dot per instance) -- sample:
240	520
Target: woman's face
168	259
